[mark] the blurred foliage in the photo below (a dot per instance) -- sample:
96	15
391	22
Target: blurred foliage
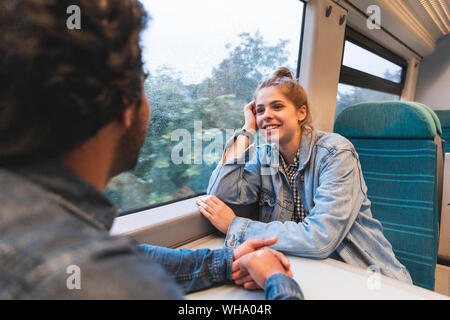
215	105
356	95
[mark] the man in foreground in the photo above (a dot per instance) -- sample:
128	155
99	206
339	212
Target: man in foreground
73	114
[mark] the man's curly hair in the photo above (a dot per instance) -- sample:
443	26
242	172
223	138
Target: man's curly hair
59	87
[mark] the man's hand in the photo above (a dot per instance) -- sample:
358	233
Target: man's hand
259	265
216	211
241	275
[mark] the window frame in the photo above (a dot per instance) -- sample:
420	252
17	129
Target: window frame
166	203
302	33
361	79
164	225
156	205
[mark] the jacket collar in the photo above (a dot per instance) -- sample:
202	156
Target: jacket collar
306	146
57	179
307	142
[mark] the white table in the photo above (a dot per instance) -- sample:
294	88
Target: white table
320	279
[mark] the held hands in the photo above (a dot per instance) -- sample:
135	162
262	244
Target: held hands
216	211
254	263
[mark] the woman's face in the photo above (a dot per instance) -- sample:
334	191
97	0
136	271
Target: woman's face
277	116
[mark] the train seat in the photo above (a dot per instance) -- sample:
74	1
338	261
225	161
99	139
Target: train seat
444	117
399	155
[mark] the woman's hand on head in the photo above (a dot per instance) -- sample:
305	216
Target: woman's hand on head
216	211
250	116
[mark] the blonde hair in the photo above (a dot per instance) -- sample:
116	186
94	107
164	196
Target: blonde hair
282	78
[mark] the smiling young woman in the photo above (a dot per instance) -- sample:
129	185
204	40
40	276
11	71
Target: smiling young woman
280	110
313	198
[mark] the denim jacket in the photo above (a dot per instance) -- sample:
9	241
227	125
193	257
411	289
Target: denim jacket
332	190
53	223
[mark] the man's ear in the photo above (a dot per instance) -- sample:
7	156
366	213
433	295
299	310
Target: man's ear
127	115
301	113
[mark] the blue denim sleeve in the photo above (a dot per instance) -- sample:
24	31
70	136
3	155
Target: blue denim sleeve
193	269
238	180
280	286
337	200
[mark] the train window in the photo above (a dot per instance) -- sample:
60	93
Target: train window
350	95
200	77
361	59
369	72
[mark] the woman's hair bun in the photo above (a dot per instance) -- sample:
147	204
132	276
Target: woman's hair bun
283	72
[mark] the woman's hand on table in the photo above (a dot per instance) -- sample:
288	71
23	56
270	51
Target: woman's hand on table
216	211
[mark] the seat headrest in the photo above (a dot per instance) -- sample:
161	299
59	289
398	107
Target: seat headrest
444	117
387	120
437	123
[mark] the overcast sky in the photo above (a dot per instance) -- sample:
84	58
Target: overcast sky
191	35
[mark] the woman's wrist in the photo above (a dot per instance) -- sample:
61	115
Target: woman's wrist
249	128
249	132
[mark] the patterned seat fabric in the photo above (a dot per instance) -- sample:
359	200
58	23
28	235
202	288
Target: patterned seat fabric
398	155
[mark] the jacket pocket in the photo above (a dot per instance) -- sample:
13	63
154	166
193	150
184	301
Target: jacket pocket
266	205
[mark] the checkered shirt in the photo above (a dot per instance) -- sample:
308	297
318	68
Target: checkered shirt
291	174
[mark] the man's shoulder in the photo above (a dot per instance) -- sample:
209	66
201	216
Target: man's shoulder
15	189
25	205
43	245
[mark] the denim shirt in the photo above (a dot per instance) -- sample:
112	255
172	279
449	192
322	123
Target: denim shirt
277	287
332	190
51	220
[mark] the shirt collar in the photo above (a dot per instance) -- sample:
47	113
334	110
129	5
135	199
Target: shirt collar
294	165
306	145
61	181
